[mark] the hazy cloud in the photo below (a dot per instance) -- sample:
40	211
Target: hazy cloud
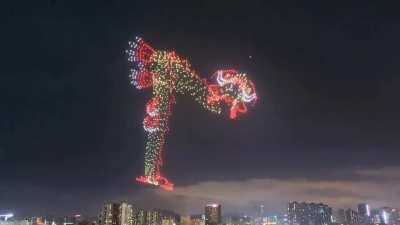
275	193
386	173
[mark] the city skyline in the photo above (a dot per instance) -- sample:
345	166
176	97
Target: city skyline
325	128
296	213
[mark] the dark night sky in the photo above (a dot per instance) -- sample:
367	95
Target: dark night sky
326	127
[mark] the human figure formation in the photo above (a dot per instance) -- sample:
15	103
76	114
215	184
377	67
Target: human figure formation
168	75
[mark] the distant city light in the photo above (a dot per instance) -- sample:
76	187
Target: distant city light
385	217
270	220
7	216
214	205
368	212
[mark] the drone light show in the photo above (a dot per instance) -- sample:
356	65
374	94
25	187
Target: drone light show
167	75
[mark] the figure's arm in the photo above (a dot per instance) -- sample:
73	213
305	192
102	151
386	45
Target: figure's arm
231	88
183	79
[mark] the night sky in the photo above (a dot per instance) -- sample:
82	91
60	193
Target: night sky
326	127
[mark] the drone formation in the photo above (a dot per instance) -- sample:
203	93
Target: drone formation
168	75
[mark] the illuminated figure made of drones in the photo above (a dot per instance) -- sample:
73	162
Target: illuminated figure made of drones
168	75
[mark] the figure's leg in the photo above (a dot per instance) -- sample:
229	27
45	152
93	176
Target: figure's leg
153	160
155	123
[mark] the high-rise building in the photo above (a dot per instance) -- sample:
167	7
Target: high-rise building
212	214
125	214
67	220
285	219
162	217
375	217
116	214
5	217
260	213
341	216
109	214
364	213
352	217
389	216
309	214
155	217
270	220
198	219
14	222
364	210
139	217
395	215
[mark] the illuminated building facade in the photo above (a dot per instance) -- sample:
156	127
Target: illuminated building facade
302	213
260	215
125	214
352	217
139	217
364	210
395	215
270	220
198	219
13	222
341	216
116	214
212	214
5	217
155	217
389	216
364	213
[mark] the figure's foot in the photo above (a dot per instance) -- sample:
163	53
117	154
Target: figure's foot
157	181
